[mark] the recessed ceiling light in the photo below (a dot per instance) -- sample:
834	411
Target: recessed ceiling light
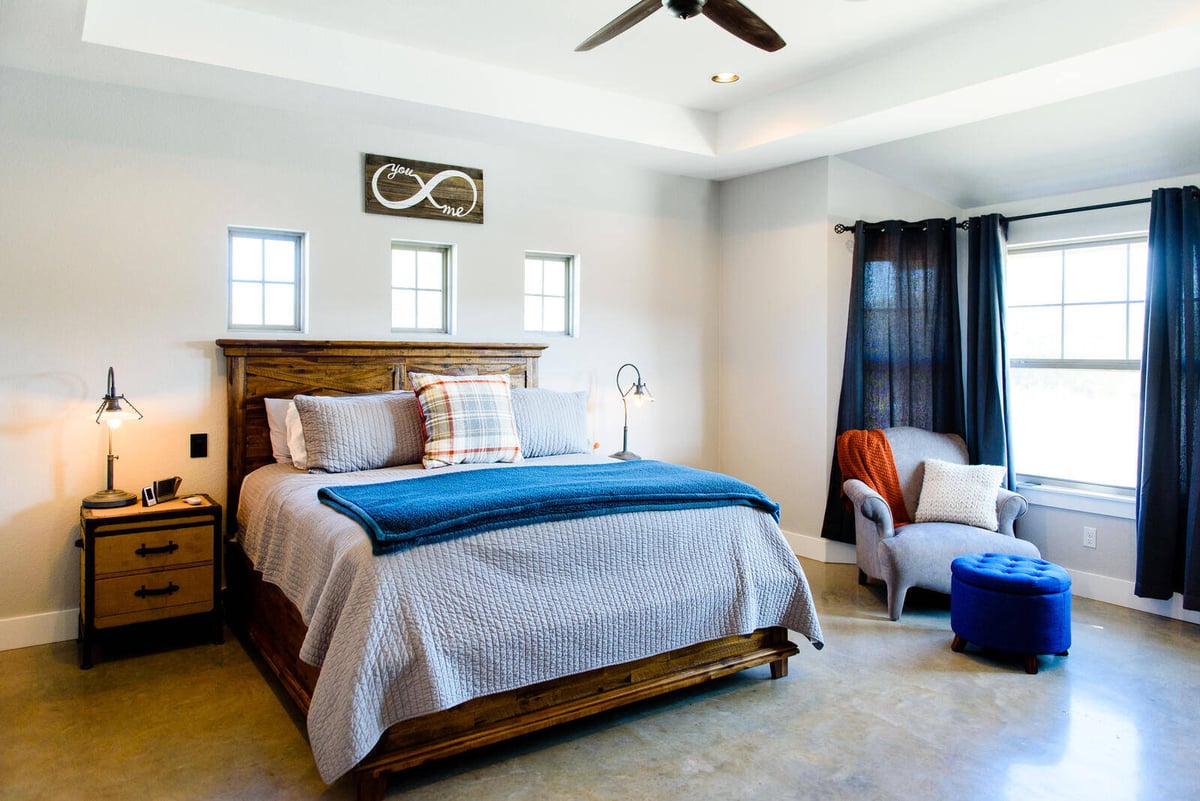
726	77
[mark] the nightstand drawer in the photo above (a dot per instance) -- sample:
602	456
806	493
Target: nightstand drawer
153	548
152	596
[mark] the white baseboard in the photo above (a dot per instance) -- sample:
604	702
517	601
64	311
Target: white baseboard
1120	592
22	632
1086	585
821	550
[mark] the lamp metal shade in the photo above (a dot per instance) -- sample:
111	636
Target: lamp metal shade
111	412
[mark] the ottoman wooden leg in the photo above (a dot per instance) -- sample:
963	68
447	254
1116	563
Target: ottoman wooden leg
1031	664
1063	653
958	645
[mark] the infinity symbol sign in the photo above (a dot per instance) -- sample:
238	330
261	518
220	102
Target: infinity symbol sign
426	189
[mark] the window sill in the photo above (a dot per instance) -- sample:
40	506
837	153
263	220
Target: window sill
1096	503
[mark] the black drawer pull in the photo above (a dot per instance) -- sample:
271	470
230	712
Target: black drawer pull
170	589
170	547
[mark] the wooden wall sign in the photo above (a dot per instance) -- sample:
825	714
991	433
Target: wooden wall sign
408	188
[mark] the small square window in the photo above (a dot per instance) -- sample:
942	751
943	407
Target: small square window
551	282
421	287
265	271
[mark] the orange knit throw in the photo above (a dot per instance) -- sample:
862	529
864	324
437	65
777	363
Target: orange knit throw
867	456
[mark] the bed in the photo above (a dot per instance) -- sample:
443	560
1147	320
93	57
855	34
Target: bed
280	628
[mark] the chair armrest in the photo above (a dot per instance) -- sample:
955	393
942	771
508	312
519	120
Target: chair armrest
1009	506
870	504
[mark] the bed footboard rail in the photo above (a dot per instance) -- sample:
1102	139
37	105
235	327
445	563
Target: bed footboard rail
495	718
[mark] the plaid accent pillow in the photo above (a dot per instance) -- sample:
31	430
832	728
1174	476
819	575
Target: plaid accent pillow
468	419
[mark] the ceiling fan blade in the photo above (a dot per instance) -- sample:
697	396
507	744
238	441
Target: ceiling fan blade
632	16
743	23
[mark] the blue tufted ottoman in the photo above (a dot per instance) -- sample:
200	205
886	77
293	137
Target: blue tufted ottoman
1010	603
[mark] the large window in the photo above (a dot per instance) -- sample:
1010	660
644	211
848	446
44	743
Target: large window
265	271
1074	333
550	292
421	287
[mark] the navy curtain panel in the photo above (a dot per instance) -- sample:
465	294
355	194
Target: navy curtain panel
988	438
1168	496
903	363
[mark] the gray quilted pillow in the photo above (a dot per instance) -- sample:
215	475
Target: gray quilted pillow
361	432
550	423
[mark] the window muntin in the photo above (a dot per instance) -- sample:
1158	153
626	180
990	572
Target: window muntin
421	278
265	270
1074	338
550	293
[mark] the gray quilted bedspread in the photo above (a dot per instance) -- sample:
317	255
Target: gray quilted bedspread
424	630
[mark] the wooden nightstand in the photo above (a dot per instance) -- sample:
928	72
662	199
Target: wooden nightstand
140	564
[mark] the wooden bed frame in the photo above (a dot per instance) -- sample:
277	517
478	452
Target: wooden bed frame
271	624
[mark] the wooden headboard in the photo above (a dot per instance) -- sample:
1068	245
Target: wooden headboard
259	368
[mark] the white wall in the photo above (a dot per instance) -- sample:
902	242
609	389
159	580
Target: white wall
785	293
772	312
113	220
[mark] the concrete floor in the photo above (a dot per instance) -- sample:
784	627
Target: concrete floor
886	711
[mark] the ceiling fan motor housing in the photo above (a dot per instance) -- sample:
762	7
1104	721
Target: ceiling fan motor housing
684	8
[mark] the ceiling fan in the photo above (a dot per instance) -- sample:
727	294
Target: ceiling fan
729	14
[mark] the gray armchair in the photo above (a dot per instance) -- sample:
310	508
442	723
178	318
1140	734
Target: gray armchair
919	554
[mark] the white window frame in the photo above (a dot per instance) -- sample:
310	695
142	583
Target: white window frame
570	262
449	274
1086	491
300	239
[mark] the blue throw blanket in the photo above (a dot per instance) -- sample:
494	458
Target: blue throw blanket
402	514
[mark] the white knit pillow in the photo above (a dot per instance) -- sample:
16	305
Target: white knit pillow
960	493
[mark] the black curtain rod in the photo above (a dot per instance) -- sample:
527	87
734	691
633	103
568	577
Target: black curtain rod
841	229
1112	205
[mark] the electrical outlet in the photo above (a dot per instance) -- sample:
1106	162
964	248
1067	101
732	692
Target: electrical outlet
1089	536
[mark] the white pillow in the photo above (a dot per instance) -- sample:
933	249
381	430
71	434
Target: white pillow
277	410
960	493
295	438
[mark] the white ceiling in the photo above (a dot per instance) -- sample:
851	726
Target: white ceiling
972	101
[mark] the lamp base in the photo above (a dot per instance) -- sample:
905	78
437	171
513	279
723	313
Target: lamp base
625	456
109	499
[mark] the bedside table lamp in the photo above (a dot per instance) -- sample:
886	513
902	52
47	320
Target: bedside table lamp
111	412
640	394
